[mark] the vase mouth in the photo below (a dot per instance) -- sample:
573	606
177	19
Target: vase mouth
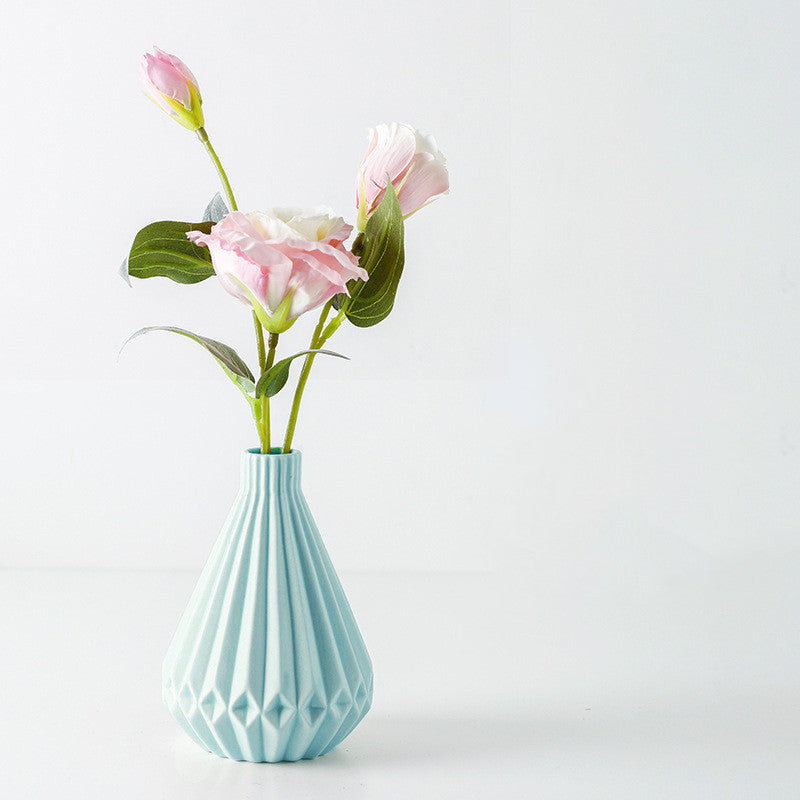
275	452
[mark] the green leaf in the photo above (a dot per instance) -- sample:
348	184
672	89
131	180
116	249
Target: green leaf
382	256
225	356
162	249
274	379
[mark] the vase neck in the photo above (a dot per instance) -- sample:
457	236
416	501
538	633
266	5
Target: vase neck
273	472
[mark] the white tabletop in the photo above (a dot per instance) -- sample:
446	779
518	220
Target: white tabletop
486	687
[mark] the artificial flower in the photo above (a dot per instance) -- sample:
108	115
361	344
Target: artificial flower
411	161
169	83
281	262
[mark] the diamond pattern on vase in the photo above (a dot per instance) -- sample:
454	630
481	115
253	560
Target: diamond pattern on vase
279	711
313	710
244	708
267	663
343	703
361	694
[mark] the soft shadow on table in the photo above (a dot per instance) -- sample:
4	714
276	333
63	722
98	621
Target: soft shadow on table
390	741
395	740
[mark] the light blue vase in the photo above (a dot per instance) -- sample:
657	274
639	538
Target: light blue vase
267	663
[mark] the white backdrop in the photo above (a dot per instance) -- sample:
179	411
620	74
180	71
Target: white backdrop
589	387
595	342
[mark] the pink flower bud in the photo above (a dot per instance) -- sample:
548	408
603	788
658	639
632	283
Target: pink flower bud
169	83
412	162
281	262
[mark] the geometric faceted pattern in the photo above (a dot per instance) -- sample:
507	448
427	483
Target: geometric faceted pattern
267	663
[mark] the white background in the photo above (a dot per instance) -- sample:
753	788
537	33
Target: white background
560	481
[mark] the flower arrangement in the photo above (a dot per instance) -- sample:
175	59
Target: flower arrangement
284	262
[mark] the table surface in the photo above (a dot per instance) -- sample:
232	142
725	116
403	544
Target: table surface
486	687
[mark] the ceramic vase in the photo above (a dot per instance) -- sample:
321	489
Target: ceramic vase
267	663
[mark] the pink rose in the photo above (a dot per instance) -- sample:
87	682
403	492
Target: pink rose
412	162
169	83
281	262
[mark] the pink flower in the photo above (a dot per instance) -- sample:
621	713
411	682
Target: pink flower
169	83
412	162
281	262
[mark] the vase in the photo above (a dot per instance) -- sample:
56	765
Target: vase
267	662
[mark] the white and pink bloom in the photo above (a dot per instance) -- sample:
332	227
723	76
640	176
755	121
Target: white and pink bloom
169	83
411	161
281	262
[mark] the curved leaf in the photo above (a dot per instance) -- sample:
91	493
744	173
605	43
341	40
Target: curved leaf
161	249
382	256
230	361
274	379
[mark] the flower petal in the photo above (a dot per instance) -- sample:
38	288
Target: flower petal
167	80
427	178
177	63
274	259
389	155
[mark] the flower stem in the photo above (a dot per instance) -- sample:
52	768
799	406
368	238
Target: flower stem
257	414
262	408
317	340
258	410
203	137
265	422
331	328
262	413
262	354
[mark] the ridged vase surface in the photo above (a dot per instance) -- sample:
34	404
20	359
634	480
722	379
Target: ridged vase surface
267	663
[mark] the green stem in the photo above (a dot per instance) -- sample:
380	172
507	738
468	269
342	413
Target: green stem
322	317
258	410
261	409
262	354
332	327
257	413
317	340
265	423
203	137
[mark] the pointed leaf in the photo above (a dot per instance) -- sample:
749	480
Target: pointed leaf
382	256
123	271
162	249
230	361
274	379
215	210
